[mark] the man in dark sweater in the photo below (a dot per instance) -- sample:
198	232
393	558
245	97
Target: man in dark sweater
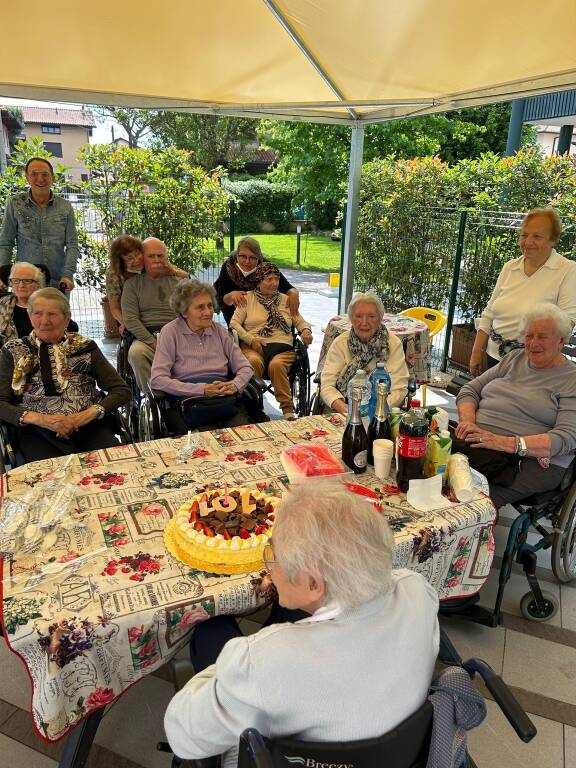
146	308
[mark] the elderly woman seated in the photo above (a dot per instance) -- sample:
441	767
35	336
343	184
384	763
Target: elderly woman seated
237	277
264	326
366	344
49	382
24	278
331	557
522	412
198	364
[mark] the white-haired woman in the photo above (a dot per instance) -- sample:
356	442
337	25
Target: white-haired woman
24	279
366	344
525	408
359	665
52	384
197	363
539	275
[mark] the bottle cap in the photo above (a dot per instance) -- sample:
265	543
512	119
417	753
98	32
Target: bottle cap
444	433
415	403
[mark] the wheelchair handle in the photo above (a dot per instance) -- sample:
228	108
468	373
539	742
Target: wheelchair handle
256	748
505	699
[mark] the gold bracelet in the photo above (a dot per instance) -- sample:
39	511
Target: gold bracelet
21	419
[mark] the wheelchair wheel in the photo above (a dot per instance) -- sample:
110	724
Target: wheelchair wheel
564	544
148	426
300	394
530	609
316	407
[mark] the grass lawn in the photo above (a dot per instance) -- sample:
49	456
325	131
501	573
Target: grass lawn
316	253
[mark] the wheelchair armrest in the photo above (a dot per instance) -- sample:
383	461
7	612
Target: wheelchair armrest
259	383
252	741
504	697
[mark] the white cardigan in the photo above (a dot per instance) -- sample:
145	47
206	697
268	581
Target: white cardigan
338	358
353	676
515	293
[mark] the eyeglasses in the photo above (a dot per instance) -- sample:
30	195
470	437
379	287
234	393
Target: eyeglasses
134	256
21	281
268	555
253	259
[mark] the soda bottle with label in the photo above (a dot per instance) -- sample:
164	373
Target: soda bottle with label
355	439
379	428
378	374
411	448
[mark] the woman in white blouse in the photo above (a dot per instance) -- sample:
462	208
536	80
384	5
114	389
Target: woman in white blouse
539	275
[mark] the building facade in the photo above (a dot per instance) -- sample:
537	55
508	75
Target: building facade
64	132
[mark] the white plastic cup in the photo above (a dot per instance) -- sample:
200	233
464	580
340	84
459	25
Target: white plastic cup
460	477
383	451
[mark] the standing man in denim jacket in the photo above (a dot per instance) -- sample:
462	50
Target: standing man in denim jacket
42	226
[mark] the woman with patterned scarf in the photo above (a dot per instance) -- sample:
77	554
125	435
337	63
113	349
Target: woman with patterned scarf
367	343
237	277
50	384
264	327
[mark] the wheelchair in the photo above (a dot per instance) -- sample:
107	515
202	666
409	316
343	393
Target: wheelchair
405	746
140	413
298	376
552	515
11	456
558	508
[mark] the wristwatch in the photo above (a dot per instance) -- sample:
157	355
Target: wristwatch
521	448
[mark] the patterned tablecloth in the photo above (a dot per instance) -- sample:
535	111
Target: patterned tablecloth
414	332
93	627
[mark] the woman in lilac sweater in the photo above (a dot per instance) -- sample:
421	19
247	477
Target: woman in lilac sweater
198	365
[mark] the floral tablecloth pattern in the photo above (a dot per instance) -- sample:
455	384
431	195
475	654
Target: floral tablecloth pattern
88	631
414	332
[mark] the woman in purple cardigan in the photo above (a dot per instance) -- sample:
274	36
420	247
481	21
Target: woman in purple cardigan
198	365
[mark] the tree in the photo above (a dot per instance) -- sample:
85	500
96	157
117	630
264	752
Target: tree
146	193
214	141
314	158
136	122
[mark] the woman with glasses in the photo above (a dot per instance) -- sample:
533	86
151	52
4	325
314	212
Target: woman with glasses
25	278
357	666
237	278
126	260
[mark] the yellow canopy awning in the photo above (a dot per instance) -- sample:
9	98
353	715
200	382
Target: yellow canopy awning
320	60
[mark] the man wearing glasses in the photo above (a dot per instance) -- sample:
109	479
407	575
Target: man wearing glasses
41	225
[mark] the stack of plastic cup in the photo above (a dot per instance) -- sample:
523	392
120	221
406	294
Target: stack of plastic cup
460	477
383	451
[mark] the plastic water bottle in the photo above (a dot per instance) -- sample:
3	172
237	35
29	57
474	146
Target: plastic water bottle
378	374
360	379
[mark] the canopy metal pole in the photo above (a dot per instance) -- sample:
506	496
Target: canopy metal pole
515	127
354	175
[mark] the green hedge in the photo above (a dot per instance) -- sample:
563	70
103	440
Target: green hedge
259	203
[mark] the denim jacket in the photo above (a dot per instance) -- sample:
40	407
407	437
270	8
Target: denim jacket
42	235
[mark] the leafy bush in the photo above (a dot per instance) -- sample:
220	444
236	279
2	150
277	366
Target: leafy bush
261	202
157	194
409	220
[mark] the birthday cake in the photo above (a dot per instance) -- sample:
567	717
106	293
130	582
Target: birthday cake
221	532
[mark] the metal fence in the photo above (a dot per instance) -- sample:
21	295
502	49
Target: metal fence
435	257
439	258
86	302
